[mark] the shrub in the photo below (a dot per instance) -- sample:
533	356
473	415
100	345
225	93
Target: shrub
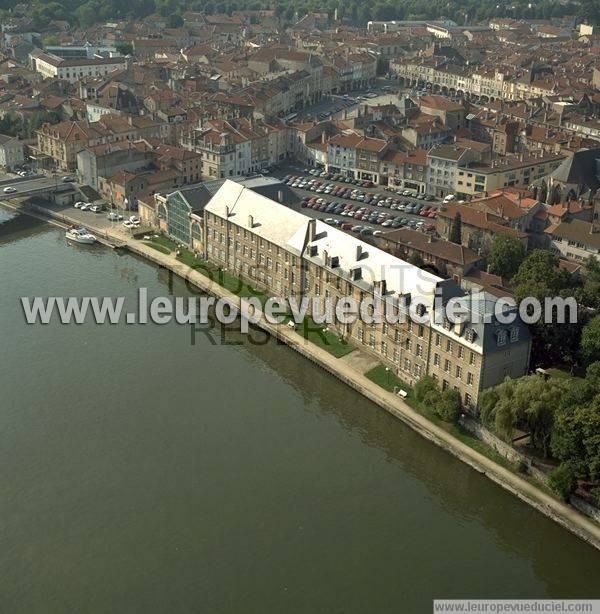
563	480
425	390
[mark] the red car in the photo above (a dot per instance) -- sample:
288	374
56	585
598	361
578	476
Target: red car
424	211
432	214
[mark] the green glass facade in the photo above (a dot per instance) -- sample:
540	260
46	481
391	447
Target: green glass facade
178	218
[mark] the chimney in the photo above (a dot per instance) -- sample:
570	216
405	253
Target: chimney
250	221
326	257
381	287
312	229
227	212
359	252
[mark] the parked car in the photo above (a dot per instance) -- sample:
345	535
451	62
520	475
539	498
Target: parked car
9	190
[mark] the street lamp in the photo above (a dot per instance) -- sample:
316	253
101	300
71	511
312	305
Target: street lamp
387	376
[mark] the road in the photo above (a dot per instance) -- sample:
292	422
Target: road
26	187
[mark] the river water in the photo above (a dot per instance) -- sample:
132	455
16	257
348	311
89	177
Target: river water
143	473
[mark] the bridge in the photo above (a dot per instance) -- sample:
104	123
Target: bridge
31	186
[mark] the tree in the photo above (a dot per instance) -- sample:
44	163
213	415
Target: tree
425	390
416	259
506	255
590	341
124	48
175	20
543	192
563	480
527	403
87	14
49	41
555	194
540	277
576	435
456	230
448	405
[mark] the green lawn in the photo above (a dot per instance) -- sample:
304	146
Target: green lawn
325	339
562	374
387	379
169	245
157	246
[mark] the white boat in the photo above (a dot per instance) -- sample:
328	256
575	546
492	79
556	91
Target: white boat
80	235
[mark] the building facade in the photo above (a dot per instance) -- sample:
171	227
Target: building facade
285	253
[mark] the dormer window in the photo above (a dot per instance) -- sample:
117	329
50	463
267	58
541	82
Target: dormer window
470	335
514	334
447	324
420	310
501	337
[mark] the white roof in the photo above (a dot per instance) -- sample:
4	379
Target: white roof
402	278
270	220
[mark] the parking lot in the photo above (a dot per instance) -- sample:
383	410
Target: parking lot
362	209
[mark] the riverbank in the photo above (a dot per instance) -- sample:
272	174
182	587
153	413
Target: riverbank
548	505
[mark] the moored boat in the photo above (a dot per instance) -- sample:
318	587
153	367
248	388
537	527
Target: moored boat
80	235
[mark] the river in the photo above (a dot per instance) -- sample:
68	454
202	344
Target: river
143	473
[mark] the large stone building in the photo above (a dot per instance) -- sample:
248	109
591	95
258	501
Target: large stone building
72	70
288	254
11	152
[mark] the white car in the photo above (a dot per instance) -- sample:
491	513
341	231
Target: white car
78	204
129	224
86	206
9	190
114	217
96	209
134	219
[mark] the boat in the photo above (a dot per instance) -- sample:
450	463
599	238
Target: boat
80	235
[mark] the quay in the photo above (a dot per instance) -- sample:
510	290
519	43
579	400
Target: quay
565	515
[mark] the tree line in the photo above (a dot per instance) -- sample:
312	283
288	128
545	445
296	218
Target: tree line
85	13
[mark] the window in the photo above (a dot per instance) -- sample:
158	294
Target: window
461	351
468	400
514	334
436	360
459	372
360	334
470	379
438	339
372	340
419	350
396	355
470	335
384	348
406	364
421	329
501	337
385	328
447	366
448	345
472	358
